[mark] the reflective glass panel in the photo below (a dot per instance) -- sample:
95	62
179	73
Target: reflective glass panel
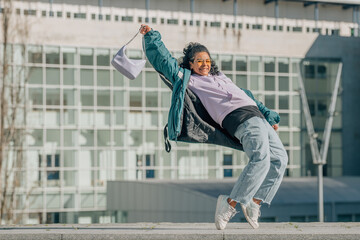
151	79
52	55
53	137
69	97
70	138
103	98
52	76
226	62
151	99
135	138
119	116
86	118
119	80
269	83
70	158
102	118
241	81
35	75
103	78
283	64
86	77
69	76
34	54
87	97
119	99
103	138
52	117
103	57
283	102
254	82
254	64
70	116
52	96
241	64
36	96
284	84
165	99
69	55
86	56
135	99
86	138
269	64
270	101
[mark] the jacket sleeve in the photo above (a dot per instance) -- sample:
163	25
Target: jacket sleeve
271	116
159	57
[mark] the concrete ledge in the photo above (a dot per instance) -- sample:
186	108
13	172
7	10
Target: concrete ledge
183	231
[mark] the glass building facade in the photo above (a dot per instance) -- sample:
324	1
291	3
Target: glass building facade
87	124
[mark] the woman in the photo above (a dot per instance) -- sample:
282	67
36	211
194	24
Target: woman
237	112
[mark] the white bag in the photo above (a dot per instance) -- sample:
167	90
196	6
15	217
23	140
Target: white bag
130	68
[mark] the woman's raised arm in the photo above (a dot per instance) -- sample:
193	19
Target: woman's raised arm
158	55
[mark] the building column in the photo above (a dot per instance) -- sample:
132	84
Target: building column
147	5
316	16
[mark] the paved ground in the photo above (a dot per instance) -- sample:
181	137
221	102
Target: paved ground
184	231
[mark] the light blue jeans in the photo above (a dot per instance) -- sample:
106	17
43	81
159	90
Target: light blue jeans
263	174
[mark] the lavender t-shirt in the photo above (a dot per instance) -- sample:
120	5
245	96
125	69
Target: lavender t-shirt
219	95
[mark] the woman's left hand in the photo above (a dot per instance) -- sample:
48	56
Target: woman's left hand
275	127
144	29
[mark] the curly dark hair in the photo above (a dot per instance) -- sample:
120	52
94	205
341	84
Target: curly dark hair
189	53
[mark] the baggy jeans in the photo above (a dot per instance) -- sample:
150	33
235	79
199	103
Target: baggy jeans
263	174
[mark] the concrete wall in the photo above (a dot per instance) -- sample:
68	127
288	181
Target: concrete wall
159	202
290	10
348	50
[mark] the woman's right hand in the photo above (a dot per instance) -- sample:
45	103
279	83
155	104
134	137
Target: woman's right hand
144	29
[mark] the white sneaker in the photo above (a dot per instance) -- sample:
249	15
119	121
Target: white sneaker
252	213
224	212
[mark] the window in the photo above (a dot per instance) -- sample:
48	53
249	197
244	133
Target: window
297	29
108	17
127	18
80	15
150	162
52	161
173	21
215	24
59	14
241	64
257	27
30	12
34	54
344	218
335	32
226	62
228	161
43	13
269	64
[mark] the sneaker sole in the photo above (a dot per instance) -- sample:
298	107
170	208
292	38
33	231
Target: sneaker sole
216	222
248	219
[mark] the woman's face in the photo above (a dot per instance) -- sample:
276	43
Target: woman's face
201	64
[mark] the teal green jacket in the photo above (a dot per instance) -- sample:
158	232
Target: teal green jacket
161	59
